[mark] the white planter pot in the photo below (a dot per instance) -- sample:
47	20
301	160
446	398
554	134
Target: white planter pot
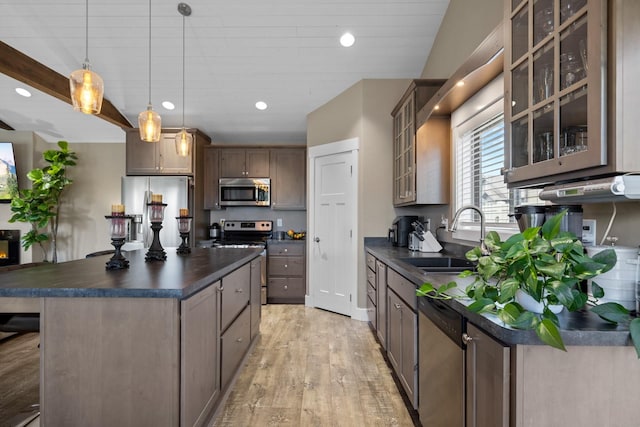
530	304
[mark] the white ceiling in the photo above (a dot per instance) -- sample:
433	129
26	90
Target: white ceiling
283	52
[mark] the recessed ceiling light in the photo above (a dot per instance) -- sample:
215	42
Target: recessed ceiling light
260	105
168	105
23	92
347	40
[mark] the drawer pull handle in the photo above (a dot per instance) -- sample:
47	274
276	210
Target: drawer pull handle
239	291
286	287
285	266
239	340
221	288
397	306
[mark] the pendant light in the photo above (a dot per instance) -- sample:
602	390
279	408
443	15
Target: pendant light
149	121
184	140
86	86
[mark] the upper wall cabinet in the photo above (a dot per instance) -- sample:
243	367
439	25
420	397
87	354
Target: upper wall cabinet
244	163
567	86
161	158
288	178
404	141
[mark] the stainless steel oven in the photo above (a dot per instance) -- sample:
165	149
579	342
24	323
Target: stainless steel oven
248	234
245	191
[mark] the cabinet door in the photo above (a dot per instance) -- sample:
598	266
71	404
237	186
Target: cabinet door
404	153
381	302
487	380
288	179
232	163
409	372
234	294
257	163
169	162
142	156
211	174
234	344
554	84
256	306
200	355
394	331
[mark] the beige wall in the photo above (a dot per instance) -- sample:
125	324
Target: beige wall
364	111
96	186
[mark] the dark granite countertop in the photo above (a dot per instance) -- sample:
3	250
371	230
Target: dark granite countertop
177	277
577	328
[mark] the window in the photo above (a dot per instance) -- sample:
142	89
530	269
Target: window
478	132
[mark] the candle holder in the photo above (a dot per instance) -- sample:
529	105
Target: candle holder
118	232
184	227
156	215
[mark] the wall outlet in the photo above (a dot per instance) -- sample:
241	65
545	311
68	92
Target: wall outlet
279	222
589	232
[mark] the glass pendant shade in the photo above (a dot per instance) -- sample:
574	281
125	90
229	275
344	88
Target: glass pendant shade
87	90
150	124
184	140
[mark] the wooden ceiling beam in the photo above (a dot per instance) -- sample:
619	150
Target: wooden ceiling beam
23	68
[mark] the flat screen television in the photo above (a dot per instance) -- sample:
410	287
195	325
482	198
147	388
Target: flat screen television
8	175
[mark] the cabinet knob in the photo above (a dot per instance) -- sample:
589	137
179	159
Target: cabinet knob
239	291
397	306
466	338
286	250
286	287
239	340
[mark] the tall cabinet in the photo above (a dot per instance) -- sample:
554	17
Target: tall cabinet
568	87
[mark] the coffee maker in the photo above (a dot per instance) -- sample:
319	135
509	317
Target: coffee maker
400	230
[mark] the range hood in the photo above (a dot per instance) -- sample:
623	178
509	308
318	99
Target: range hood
618	188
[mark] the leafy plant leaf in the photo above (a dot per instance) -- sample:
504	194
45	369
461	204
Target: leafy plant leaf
634	329
611	312
596	290
551	226
607	257
548	332
482	305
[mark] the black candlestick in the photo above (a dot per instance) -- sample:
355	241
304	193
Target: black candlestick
184	248
156	252
117	261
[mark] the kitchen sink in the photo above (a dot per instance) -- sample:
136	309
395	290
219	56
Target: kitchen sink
440	264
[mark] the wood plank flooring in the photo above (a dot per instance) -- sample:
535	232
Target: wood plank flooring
314	368
309	368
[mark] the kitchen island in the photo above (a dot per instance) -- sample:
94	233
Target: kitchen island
155	344
509	377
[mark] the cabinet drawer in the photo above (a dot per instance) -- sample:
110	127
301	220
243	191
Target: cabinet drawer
371	293
371	277
371	313
371	261
286	288
286	249
234	344
403	287
286	266
234	295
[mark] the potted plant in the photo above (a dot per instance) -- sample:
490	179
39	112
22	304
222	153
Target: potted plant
546	265
40	205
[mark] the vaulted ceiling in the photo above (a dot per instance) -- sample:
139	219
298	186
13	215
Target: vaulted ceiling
283	52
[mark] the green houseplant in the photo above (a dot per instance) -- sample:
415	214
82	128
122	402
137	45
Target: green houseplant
548	265
40	205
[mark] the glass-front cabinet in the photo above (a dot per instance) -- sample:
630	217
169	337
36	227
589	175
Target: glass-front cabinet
555	92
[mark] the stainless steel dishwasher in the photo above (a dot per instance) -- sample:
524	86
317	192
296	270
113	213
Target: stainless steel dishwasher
441	362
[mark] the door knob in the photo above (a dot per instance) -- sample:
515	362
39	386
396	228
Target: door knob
317	239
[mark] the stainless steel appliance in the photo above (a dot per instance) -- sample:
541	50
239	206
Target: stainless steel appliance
214	231
400	230
249	234
618	188
529	216
245	191
136	193
441	361
571	222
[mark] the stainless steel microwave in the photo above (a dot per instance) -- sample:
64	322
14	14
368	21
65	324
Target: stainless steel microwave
245	191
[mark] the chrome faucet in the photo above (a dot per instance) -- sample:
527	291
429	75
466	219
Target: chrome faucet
456	217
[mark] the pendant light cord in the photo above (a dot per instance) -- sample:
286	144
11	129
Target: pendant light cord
183	73
149	52
86	32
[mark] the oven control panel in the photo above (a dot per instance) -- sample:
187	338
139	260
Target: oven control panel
261	226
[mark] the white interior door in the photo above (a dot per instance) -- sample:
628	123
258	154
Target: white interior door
333	261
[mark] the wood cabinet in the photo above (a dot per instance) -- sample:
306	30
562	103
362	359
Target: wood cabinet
402	332
404	140
381	303
244	163
288	178
161	158
286	272
200	356
211	176
255	298
569	89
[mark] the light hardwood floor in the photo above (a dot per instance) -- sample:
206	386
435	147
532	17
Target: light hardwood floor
314	368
